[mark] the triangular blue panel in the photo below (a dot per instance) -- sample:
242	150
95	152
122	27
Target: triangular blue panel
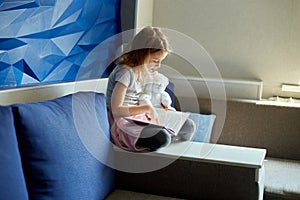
29	72
67	42
47	2
7	77
28	80
18	72
59	72
71	74
14	5
3	67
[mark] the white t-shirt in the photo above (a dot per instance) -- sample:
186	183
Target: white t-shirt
124	75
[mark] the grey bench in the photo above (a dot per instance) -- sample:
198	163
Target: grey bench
195	171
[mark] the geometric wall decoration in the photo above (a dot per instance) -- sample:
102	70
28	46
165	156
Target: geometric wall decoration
45	41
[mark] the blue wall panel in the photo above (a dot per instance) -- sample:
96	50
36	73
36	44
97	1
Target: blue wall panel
44	41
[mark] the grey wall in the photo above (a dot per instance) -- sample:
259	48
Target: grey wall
247	39
128	14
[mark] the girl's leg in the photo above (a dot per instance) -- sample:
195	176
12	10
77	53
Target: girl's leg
186	132
153	138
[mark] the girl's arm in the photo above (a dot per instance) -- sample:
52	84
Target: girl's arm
118	110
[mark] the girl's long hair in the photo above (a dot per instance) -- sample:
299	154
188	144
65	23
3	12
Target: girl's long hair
149	40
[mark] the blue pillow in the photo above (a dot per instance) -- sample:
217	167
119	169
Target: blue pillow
12	182
63	144
204	124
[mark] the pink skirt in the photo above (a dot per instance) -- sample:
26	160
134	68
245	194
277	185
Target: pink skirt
125	133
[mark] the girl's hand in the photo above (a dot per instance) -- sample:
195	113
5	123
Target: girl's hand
148	117
153	115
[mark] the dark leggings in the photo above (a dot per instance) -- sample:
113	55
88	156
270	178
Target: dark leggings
153	138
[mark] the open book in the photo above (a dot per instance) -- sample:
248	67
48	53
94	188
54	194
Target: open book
172	120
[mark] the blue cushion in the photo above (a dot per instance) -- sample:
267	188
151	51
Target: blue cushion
170	91
12	182
63	143
204	124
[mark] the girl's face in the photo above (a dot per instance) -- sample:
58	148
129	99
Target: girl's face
155	60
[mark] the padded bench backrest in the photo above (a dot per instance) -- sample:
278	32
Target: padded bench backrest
57	163
12	182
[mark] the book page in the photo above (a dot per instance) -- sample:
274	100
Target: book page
173	120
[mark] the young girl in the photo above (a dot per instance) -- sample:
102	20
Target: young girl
147	49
